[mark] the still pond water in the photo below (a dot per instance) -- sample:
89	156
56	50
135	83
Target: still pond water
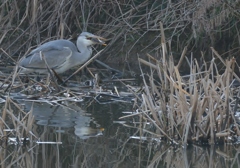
87	134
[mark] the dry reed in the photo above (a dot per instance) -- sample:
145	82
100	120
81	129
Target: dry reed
198	107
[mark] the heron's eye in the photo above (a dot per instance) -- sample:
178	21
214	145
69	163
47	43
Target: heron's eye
89	38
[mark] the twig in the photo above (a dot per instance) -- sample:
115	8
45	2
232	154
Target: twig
84	65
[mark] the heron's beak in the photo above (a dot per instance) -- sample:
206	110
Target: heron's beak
99	40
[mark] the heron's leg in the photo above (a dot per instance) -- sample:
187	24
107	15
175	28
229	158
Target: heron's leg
50	71
59	78
48	79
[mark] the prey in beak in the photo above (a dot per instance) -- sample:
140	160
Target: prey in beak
98	40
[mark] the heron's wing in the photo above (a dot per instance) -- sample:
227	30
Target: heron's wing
54	45
55	57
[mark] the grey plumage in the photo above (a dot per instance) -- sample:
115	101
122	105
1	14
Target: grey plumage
60	55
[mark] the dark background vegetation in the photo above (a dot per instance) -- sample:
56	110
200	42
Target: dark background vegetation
132	26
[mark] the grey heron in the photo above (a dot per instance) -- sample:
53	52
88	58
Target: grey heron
60	55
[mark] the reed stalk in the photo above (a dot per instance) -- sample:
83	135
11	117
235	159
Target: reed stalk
196	108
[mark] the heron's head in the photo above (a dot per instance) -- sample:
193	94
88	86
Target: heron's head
89	39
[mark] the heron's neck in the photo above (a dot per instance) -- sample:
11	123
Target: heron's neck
84	50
